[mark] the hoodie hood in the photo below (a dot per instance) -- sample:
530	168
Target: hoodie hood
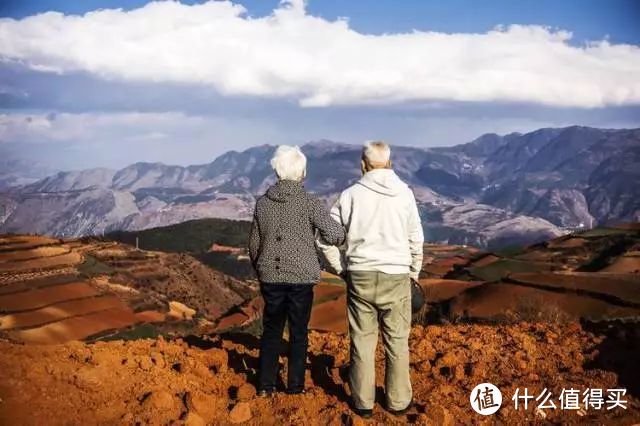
383	181
284	190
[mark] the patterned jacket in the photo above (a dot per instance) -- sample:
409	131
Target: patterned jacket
282	240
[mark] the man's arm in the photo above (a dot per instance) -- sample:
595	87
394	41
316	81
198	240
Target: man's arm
416	239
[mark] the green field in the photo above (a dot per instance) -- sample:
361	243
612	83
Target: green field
194	236
602	232
501	268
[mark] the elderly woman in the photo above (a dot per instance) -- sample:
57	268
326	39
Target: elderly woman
283	253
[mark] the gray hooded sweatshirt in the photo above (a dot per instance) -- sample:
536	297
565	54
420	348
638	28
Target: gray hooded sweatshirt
282	240
384	233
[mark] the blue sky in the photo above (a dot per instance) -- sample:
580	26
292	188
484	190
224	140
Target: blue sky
181	84
587	19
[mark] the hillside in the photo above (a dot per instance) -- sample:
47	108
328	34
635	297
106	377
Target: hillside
193	236
198	238
493	192
53	291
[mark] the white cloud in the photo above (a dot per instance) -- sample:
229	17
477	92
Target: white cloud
115	139
317	62
89	127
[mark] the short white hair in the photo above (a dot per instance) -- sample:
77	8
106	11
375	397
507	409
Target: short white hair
289	163
376	152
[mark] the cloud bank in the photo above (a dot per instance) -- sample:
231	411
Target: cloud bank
316	62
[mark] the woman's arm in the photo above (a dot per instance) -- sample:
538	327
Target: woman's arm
254	241
331	231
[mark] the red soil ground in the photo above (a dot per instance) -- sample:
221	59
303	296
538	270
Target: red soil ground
485	260
34	283
625	287
11	256
440	267
20	242
325	291
150	316
59	311
437	289
45	296
160	382
77	328
68	259
232	321
501	301
624	265
330	316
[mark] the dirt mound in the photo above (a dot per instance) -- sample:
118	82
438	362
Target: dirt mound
211	381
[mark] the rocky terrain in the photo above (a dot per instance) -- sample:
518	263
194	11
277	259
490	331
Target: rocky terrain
211	380
493	192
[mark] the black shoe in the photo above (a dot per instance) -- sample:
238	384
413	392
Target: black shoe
402	412
363	412
265	393
295	391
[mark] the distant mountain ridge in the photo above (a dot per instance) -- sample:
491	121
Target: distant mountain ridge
493	191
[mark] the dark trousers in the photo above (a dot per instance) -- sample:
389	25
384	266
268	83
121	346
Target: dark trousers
284	302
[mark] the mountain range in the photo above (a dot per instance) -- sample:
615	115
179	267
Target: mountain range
492	192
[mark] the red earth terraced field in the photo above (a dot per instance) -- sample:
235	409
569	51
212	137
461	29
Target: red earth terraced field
625	265
50	262
438	289
33	253
59	311
507	302
53	292
589	275
33	299
622	286
77	328
20	242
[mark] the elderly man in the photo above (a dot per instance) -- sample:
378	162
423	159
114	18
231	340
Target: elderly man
283	253
384	241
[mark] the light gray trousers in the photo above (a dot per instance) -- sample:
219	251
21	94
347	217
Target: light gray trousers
378	300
